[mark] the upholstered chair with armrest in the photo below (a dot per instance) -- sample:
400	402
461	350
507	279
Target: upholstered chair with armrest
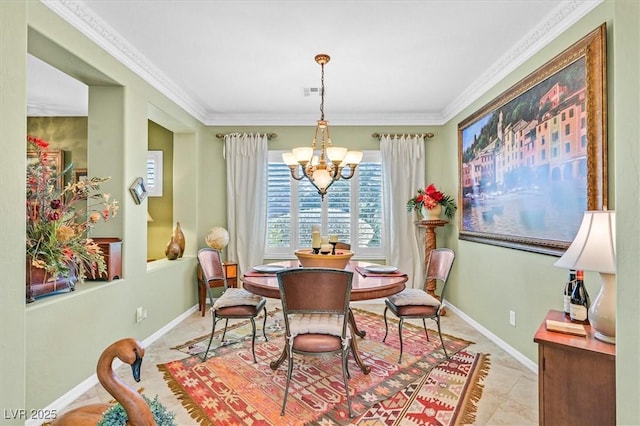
417	303
234	303
315	303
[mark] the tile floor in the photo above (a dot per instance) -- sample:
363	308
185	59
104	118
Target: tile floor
510	390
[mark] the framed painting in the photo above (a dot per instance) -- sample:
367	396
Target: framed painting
535	158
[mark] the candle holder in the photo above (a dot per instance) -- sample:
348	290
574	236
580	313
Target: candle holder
316	250
333	243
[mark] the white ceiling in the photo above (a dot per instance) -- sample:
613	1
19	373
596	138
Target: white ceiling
247	62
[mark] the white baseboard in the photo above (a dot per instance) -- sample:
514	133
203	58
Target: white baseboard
495	339
59	404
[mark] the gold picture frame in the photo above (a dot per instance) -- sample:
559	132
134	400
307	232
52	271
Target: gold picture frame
80	174
535	158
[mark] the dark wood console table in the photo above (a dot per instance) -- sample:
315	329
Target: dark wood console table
576	377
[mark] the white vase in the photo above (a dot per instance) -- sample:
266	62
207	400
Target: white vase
434	213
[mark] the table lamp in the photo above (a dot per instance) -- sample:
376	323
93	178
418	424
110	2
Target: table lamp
594	249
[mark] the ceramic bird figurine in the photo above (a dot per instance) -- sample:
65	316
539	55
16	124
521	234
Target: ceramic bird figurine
131	352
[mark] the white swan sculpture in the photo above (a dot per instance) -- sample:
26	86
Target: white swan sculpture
131	352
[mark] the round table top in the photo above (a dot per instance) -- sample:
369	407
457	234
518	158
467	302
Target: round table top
373	286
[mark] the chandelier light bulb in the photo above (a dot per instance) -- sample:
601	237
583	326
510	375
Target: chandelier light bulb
303	154
336	154
353	157
289	159
322	178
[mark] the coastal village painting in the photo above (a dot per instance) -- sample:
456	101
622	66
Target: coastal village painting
524	168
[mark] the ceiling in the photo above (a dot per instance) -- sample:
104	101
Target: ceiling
248	62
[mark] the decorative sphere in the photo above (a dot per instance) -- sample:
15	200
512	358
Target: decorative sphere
217	238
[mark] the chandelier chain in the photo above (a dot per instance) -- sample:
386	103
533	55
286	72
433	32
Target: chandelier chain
322	92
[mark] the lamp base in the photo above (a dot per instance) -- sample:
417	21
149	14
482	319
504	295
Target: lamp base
605	338
602	313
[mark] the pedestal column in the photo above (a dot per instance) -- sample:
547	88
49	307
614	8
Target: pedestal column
430	244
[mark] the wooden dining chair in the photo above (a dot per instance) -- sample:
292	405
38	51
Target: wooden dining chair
315	304
234	303
416	302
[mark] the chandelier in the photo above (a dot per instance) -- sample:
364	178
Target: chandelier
323	168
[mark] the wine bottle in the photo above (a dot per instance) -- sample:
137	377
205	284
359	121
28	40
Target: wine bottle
579	300
568	289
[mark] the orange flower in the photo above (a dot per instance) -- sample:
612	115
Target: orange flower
94	217
64	233
67	253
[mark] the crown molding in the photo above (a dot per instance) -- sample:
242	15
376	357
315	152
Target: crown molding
84	20
349	119
567	13
93	27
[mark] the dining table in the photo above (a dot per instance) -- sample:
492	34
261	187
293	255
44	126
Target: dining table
370	281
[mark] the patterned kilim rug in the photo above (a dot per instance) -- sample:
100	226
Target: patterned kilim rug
229	389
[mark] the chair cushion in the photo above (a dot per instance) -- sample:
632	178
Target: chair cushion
413	296
236	297
317	323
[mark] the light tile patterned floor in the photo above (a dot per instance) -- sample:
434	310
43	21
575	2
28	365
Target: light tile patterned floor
510	395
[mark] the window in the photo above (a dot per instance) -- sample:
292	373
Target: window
351	209
154	173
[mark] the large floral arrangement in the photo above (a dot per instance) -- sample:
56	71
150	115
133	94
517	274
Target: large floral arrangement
58	220
429	198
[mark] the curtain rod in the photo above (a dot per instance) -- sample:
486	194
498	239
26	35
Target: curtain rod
222	135
424	135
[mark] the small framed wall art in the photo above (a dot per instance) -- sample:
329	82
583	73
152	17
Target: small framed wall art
138	190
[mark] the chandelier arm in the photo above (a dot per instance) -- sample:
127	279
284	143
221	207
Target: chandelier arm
352	170
294	173
307	171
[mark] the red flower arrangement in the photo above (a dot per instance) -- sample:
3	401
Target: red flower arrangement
429	198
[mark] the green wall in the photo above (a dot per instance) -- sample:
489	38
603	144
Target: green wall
50	346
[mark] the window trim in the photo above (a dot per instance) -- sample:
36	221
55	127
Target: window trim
154	162
369	156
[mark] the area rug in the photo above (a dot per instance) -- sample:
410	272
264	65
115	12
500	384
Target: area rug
229	389
448	395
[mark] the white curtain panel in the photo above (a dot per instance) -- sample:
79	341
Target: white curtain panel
247	162
403	169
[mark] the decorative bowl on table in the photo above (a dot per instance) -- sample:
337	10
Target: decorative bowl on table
337	261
